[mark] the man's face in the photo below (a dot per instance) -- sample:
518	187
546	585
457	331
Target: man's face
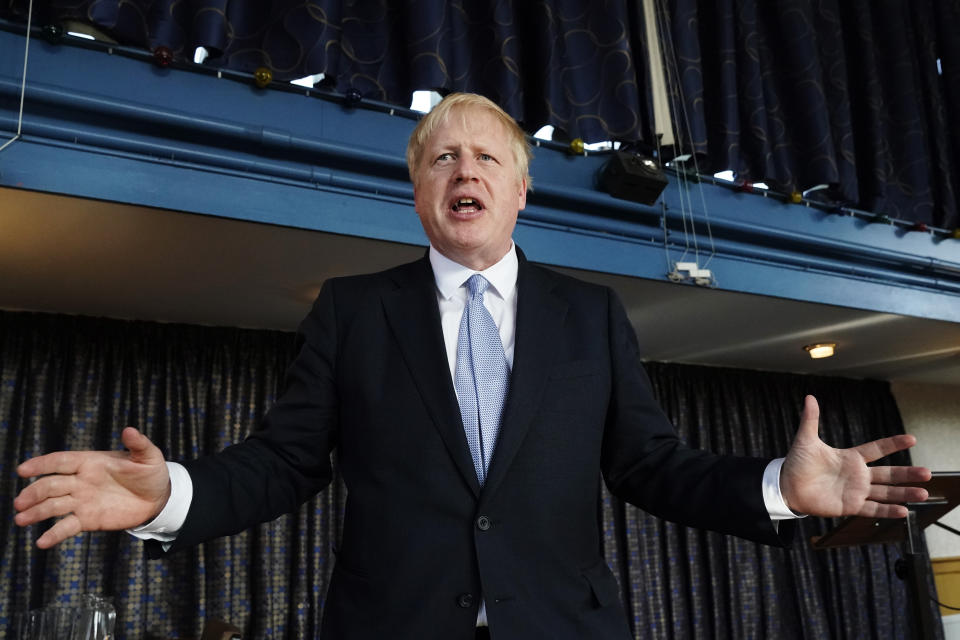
467	191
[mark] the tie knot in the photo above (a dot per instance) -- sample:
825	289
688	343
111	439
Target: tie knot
476	285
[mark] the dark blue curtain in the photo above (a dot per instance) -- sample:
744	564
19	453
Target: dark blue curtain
861	95
576	64
69	382
686	583
75	383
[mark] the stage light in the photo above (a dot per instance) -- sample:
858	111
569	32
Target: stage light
631	176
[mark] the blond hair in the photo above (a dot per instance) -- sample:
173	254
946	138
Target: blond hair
440	114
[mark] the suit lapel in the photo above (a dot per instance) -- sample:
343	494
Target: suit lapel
540	318
412	313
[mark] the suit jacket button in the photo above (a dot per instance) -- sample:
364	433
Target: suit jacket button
465	600
483	523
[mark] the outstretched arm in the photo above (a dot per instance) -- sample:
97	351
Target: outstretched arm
818	480
94	490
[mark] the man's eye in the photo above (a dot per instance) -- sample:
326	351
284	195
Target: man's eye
486	157
445	157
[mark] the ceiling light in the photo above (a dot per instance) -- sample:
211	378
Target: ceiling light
821	349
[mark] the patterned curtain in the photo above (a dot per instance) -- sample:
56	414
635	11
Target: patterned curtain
859	95
686	583
579	65
74	383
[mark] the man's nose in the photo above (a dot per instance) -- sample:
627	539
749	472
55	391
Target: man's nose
466	169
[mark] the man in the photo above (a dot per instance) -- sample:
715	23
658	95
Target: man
473	419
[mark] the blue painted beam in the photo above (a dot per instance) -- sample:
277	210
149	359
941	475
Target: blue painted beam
115	127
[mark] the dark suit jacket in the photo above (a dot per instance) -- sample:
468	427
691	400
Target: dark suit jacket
422	541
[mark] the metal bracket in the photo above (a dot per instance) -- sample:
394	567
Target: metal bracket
701	277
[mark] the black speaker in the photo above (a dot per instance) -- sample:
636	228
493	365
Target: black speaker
631	176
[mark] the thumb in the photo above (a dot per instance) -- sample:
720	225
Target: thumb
141	448
809	428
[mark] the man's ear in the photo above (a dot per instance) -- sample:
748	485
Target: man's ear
523	194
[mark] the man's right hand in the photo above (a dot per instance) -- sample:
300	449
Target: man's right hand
94	490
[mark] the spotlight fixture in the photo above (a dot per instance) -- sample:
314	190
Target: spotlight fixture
821	349
631	176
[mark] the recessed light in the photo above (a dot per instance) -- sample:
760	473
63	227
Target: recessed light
821	349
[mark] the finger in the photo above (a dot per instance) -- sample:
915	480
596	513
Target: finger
877	449
872	509
63	529
898	475
52	508
140	446
58	462
46	487
809	419
888	493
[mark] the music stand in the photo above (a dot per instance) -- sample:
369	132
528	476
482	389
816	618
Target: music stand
944	494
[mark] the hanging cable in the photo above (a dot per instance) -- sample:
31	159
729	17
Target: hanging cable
23	81
684	189
671	264
685	117
945	606
932	599
948	528
667	55
680	115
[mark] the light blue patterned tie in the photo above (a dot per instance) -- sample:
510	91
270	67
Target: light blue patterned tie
482	377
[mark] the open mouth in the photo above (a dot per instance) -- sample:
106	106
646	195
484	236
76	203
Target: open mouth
467	205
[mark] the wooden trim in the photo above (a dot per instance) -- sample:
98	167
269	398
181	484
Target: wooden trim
946	574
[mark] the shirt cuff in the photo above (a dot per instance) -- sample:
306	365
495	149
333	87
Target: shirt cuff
772	497
169	521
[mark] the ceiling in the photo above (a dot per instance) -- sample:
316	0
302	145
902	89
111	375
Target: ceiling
78	256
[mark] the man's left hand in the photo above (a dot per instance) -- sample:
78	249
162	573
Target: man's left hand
818	480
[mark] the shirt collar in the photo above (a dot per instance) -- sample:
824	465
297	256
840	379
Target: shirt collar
450	275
